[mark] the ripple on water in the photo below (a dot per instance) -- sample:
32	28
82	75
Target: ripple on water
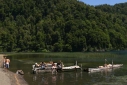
120	80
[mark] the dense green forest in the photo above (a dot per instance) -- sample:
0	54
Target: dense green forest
61	26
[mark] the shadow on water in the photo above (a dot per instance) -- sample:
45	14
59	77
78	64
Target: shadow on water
119	76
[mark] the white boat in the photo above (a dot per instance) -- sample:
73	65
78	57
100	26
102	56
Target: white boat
98	69
53	69
71	68
107	67
117	65
94	69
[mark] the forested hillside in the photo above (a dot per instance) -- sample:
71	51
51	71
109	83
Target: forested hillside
61	26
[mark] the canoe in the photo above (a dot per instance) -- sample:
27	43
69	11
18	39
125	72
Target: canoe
109	67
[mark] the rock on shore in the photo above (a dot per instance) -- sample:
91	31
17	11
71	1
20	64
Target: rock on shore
8	77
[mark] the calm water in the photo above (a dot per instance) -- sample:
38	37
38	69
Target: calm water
114	77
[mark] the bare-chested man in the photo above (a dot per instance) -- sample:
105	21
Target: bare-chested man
7	63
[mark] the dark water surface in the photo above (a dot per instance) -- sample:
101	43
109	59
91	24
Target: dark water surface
114	77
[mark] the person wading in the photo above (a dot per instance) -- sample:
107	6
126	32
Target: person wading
7	62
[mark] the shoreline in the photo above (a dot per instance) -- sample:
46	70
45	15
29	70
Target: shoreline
8	77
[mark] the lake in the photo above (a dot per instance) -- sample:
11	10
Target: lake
24	62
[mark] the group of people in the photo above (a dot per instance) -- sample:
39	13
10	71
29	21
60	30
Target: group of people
43	65
6	63
57	65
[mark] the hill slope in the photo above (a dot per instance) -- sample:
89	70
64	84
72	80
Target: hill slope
60	25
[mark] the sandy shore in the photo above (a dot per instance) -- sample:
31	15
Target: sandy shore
8	77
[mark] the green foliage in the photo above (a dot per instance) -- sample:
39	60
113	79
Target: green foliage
61	26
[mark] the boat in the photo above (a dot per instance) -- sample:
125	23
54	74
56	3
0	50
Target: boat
107	67
71	68
94	70
49	67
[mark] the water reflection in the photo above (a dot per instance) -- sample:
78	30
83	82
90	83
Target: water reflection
44	81
118	80
53	79
106	77
34	78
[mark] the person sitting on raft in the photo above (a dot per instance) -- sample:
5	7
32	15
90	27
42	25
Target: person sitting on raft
54	66
43	65
59	66
37	65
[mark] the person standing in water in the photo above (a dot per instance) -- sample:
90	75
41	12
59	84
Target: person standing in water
7	62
